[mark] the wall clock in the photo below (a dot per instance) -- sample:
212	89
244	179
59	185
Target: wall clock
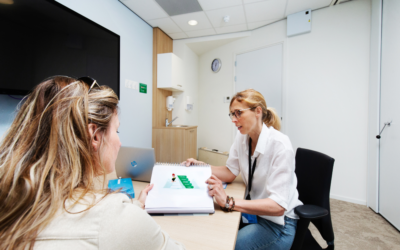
216	65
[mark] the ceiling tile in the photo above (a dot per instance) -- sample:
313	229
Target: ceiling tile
231	29
147	10
252	1
200	17
295	6
256	25
265	10
213	4
236	16
178	35
166	24
196	33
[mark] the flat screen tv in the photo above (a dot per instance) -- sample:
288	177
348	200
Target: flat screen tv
42	38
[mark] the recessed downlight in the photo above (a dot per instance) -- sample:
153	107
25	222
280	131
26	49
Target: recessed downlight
192	22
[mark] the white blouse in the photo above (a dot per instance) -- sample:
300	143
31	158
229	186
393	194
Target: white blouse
274	175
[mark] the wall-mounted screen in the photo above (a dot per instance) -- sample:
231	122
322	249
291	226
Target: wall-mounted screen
42	38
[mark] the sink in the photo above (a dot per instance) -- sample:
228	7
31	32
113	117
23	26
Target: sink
179	126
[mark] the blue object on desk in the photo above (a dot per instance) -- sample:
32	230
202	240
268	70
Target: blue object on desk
125	184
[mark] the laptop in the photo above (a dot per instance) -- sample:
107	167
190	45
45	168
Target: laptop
135	163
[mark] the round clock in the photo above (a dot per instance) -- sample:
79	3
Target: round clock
216	65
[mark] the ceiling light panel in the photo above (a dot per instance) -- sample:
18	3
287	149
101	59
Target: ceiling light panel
231	29
236	16
147	10
218	4
196	33
200	17
295	6
179	7
166	24
265	10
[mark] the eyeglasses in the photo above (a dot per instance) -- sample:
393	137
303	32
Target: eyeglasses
237	113
92	83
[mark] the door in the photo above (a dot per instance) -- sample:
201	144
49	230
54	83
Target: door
262	70
389	174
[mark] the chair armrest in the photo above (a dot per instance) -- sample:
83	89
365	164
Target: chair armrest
310	212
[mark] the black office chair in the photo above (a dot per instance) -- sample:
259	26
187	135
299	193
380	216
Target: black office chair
314	175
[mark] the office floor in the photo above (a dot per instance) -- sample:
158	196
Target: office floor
358	227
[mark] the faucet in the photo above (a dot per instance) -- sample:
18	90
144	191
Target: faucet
168	123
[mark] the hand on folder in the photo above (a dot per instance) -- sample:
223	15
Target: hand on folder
216	190
143	195
191	161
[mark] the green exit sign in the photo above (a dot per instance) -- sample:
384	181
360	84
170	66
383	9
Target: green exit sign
143	88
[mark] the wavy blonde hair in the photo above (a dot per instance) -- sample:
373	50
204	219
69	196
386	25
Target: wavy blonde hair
254	99
46	157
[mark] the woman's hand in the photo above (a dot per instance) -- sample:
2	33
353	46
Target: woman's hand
143	195
190	161
216	190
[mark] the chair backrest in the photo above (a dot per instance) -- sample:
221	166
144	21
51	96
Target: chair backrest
314	175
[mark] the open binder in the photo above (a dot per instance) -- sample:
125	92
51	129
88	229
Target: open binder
179	189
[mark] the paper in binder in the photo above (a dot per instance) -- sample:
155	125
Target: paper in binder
179	189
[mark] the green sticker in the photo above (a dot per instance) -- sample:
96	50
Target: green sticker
143	88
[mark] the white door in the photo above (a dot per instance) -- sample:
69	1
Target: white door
389	183
262	70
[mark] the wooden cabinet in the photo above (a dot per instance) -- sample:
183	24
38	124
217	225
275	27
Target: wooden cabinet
175	145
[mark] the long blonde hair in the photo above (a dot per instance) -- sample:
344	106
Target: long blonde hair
254	99
46	156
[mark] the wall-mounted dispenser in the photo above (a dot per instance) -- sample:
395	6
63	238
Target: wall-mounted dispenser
170	102
189	104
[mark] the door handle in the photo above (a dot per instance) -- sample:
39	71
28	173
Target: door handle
386	123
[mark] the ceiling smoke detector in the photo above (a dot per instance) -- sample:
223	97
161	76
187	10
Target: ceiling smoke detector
192	22
226	19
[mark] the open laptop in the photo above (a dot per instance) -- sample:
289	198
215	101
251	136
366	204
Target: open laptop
135	163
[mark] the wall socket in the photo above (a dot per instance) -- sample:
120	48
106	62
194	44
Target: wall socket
227	99
131	84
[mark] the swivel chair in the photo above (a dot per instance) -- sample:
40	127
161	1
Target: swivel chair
314	175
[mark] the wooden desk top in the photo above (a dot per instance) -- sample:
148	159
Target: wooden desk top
215	231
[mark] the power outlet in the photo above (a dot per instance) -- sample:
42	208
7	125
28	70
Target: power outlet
227	99
131	84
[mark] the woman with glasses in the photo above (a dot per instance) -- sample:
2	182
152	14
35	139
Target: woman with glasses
265	158
53	165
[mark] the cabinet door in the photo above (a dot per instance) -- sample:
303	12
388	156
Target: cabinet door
177	146
191	143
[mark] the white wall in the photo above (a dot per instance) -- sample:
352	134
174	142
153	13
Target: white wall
327	101
325	91
190	85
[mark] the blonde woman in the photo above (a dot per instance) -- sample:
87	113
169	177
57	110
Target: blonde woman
53	163
265	158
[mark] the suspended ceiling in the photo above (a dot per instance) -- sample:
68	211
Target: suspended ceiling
172	16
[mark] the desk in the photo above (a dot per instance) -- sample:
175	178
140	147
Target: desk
215	231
